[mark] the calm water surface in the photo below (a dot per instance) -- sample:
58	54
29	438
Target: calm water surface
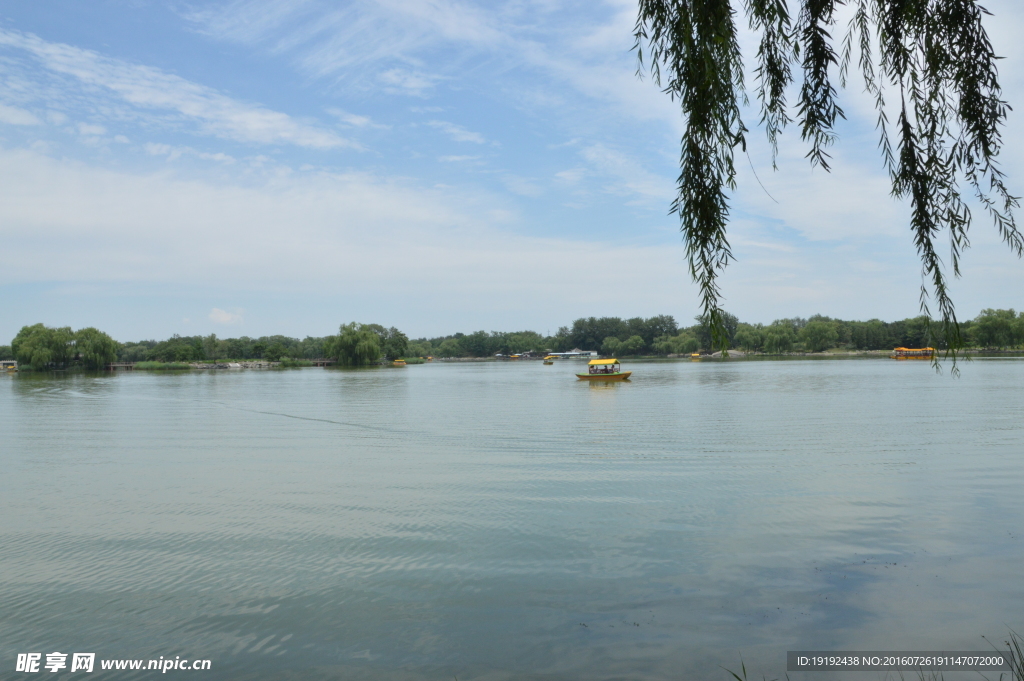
504	521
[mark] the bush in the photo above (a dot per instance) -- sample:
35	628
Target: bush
161	366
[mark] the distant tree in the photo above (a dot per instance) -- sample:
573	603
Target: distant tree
6	352
135	352
778	338
704	329
211	348
41	347
275	352
610	346
95	349
258	348
748	338
420	348
355	345
633	345
450	347
819	336
395	344
995	328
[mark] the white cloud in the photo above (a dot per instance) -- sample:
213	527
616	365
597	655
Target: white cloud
457	132
400	81
324	232
630	176
89	129
173	153
219	316
15	116
354	120
150	88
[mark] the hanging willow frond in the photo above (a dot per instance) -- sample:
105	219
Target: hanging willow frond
934	53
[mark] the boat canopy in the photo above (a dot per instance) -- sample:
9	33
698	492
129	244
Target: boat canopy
594	362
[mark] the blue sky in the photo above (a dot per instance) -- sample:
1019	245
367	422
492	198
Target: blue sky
260	167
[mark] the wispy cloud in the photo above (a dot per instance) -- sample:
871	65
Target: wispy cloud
457	132
90	129
629	175
15	116
151	88
456	159
219	316
401	81
175	152
355	120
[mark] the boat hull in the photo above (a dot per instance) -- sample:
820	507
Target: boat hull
621	376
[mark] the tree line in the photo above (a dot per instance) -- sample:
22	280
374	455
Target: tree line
42	347
661	335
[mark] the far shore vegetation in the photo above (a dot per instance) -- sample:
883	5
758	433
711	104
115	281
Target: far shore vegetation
41	347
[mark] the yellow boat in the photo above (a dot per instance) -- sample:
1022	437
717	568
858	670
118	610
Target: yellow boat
604	370
399	362
912	353
550	359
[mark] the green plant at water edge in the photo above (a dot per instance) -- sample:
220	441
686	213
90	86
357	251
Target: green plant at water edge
288	362
1015	651
161	366
743	669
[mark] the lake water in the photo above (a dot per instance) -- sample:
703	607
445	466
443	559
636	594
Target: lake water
505	521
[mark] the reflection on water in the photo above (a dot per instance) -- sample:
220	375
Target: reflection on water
509	521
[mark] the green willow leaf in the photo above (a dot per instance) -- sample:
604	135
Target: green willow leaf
934	53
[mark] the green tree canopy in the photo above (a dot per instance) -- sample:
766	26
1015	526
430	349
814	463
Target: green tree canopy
819	336
997	329
355	345
95	349
40	347
610	346
930	62
778	338
633	345
275	352
450	347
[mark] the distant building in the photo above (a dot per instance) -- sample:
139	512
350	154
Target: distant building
8	365
576	353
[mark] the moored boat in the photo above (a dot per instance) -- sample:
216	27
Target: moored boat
604	370
912	353
399	362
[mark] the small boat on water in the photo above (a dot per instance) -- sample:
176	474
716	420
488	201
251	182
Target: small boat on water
694	355
550	359
912	353
604	370
399	362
